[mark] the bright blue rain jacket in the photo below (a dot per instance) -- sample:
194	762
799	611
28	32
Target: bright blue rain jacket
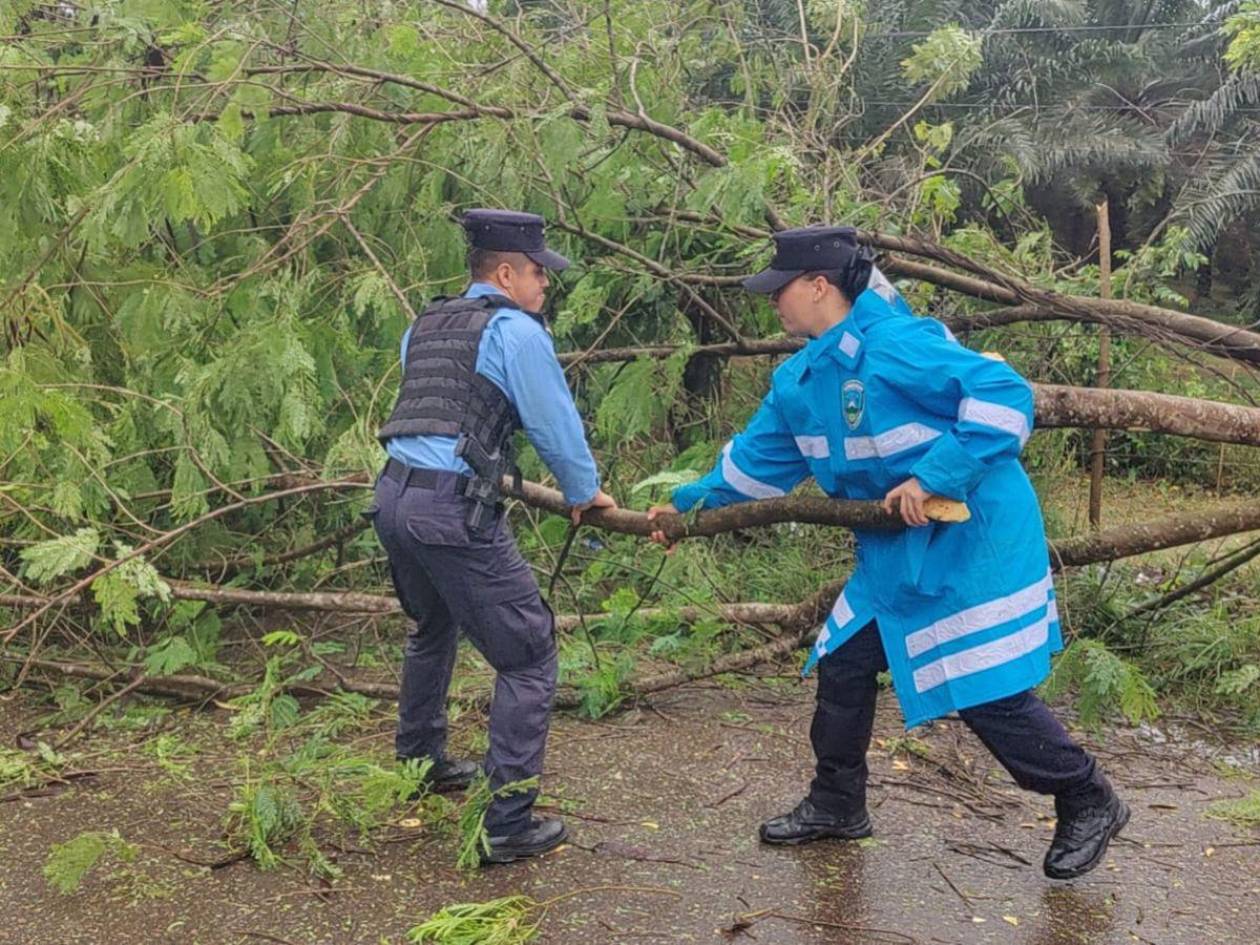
966	612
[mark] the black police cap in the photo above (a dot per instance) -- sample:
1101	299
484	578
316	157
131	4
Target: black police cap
808	249
510	231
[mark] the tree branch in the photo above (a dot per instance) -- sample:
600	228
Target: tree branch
1127	540
798	620
353	108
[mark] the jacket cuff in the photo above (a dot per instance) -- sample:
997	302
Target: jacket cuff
686	496
947	469
582	496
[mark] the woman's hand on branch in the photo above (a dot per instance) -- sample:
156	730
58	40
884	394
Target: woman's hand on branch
908	498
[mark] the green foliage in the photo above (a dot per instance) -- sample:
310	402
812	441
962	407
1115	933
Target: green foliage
602	687
1236	682
308	781
668	480
946	59
188	308
1243	30
169	656
263	816
119	592
907	745
473	838
639	397
48	560
22	769
69	862
269	706
192	641
341	712
172	754
1104	683
1244	812
505	921
185	173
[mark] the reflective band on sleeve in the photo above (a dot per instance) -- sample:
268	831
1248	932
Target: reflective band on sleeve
999	416
742	482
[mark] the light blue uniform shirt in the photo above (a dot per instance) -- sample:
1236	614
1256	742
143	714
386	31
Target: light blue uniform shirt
517	356
966	611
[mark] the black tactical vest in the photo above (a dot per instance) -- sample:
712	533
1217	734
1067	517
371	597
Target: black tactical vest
443	395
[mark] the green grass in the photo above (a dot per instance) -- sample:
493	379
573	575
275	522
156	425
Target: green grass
1244	812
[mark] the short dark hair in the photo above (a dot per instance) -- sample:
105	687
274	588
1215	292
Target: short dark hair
834	276
483	262
852	280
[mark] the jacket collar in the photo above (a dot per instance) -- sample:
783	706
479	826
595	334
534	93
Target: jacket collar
844	342
479	289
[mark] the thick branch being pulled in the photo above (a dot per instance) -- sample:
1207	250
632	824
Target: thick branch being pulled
812	510
1107	545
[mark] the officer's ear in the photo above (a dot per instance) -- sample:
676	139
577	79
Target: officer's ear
510	268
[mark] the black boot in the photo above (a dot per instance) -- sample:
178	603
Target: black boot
809	822
449	774
1085	828
541	835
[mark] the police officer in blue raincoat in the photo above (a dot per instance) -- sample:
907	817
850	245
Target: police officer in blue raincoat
476	369
883	405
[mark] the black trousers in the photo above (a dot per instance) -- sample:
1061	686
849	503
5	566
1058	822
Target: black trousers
450	579
1019	731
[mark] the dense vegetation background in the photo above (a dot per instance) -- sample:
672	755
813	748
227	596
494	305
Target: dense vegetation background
216	217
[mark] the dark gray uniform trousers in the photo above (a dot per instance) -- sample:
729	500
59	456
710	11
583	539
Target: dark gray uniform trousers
1019	730
447	579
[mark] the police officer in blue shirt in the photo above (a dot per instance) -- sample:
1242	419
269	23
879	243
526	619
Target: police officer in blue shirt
476	369
882	405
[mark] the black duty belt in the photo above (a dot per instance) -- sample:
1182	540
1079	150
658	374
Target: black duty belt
424	478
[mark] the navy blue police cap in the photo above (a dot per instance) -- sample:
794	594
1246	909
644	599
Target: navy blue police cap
808	249
510	231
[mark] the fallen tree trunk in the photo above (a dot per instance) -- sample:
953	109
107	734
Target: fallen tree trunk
1111	409
333	601
1035	304
1185	529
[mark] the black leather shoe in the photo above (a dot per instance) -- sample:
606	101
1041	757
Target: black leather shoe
541	835
449	774
1083	832
809	822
